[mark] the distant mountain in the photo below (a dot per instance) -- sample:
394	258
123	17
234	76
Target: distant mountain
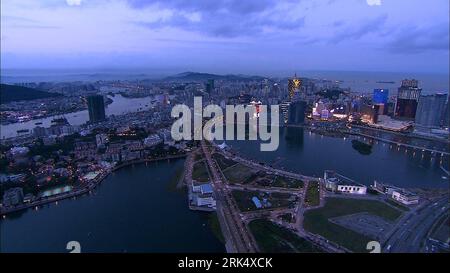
10	93
197	76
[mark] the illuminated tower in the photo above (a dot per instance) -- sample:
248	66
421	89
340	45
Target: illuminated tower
293	85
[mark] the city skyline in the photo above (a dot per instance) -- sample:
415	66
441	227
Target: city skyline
66	141
356	35
224	126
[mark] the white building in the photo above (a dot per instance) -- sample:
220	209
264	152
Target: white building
404	197
196	188
339	183
205	201
384	188
353	189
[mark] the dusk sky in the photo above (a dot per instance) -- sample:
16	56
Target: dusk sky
227	36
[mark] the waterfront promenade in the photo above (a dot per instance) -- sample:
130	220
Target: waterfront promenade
238	238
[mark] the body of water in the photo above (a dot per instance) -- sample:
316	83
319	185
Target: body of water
133	210
119	106
365	81
311	154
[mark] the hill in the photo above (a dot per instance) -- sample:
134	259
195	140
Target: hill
197	76
10	93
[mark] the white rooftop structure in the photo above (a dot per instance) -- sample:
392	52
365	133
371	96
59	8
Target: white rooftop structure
223	146
385	122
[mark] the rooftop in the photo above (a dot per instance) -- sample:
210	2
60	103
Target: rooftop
338	179
206	188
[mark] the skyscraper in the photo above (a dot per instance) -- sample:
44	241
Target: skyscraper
297	111
96	107
294	85
407	99
284	108
369	113
209	86
431	110
446	118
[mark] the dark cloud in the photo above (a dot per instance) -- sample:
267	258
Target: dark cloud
232	6
229	26
412	40
221	18
356	32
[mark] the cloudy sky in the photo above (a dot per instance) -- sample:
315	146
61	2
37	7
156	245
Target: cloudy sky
227	36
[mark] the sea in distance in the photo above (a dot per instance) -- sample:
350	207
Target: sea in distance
358	81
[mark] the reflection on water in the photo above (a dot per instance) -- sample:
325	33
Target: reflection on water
294	137
362	147
310	154
55	191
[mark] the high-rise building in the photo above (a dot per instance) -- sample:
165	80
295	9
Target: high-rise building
265	85
284	108
210	86
96	107
380	96
431	110
211	82
294	85
369	113
297	111
308	87
446	118
407	99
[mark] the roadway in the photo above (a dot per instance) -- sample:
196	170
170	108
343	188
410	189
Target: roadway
238	238
266	168
411	232
296	227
